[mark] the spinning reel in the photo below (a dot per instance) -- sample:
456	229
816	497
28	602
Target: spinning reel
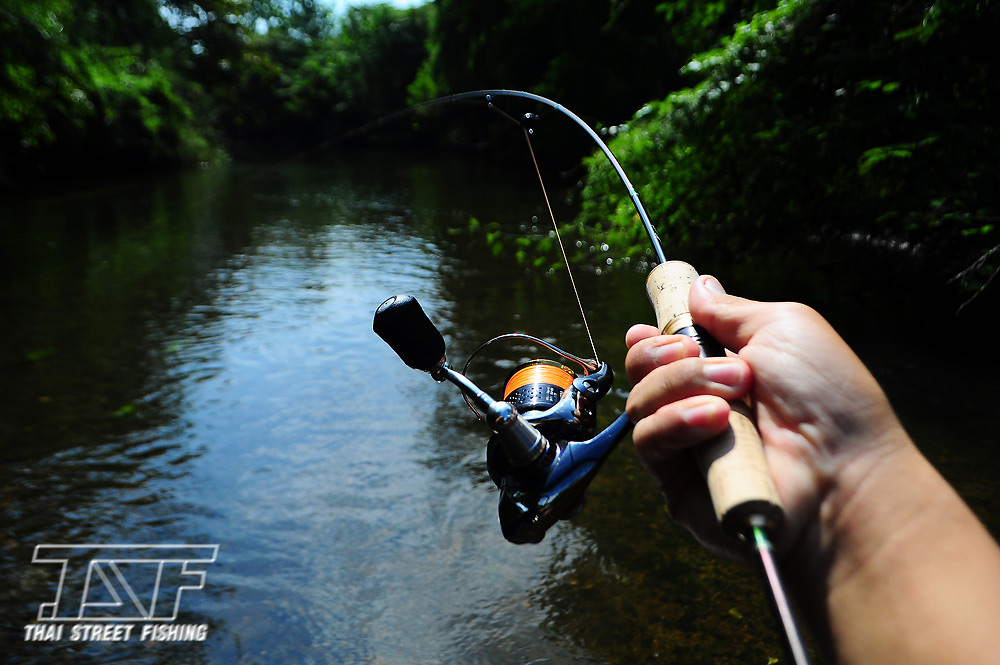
543	453
537	455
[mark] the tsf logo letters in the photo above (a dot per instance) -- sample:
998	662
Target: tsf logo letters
122	582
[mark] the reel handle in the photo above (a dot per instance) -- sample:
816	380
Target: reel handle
404	326
733	461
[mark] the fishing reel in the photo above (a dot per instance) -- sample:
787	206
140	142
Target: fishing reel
543	452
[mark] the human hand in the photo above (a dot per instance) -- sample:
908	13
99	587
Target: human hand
881	553
817	407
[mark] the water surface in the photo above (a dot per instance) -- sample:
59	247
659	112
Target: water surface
189	359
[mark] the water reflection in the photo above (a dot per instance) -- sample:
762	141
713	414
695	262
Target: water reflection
192	361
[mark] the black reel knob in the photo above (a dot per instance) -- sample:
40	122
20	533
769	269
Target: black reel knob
401	322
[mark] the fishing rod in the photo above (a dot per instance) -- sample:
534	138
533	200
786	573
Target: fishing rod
539	456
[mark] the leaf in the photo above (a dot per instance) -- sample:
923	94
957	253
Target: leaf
875	156
41	354
126	410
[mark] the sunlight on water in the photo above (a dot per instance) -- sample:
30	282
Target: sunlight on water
191	360
280	427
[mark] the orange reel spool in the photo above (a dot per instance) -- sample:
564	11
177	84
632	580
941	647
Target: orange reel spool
538	385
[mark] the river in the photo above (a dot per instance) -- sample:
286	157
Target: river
188	359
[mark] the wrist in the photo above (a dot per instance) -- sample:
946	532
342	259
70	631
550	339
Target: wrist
895	563
861	499
874	496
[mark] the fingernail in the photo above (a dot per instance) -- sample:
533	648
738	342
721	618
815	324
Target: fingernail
713	286
668	353
702	416
726	372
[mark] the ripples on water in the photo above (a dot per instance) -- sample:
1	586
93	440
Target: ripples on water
250	405
190	359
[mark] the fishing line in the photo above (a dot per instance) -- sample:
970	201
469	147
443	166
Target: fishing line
589	365
552	216
537	477
743	493
562	248
488	95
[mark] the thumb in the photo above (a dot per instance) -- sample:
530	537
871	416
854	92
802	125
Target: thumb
731	320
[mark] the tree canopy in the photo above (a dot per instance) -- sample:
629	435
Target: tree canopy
608	57
866	125
148	83
804	123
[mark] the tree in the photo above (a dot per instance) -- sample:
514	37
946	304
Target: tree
607	57
863	125
147	83
90	83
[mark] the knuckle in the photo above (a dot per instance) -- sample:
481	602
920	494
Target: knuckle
796	310
680	377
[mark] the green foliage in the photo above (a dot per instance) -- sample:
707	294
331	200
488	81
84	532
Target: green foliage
821	123
78	88
811	124
357	74
605	57
143	83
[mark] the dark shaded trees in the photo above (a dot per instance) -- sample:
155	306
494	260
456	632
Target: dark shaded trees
813	124
606	57
114	86
868	126
89	82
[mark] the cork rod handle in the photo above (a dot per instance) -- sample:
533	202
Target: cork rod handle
733	462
